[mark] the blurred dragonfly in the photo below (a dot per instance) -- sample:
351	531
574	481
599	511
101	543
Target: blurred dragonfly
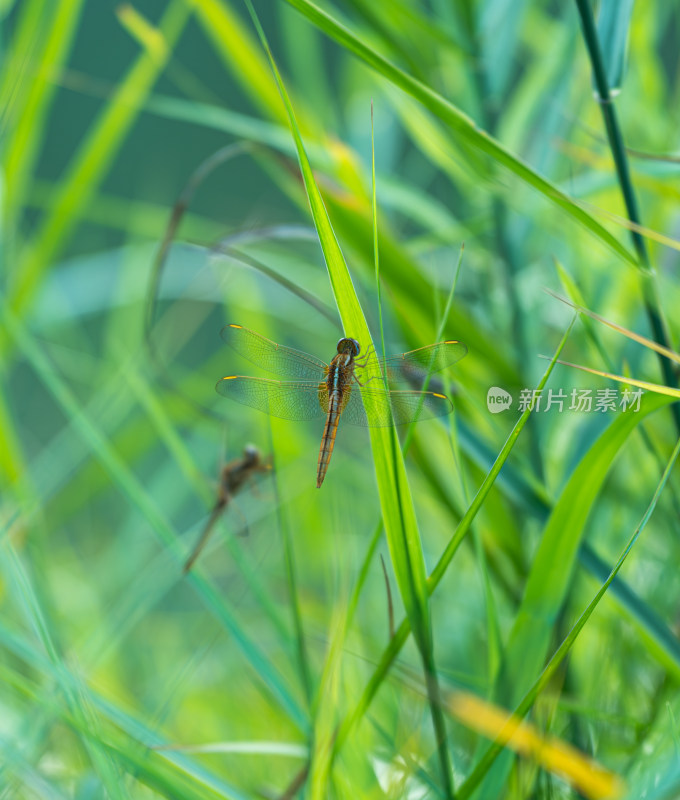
233	477
339	389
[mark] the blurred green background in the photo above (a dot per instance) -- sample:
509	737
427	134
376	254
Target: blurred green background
259	674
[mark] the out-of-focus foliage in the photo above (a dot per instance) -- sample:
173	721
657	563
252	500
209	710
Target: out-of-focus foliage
270	669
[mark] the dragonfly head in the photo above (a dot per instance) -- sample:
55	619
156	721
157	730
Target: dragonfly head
251	454
350	346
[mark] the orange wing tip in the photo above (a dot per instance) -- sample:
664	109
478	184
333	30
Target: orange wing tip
443	396
234	326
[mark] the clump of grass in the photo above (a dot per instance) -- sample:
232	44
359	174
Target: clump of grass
273	667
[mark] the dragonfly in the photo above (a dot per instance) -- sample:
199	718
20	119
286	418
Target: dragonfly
349	388
233	477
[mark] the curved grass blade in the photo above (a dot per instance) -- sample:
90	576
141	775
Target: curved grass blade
553	567
457	120
426	646
204	169
395	499
402	633
550	668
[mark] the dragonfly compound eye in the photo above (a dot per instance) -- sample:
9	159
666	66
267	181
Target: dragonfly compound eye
349	346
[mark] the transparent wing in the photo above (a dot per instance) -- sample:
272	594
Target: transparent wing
271	356
415	364
405	407
296	400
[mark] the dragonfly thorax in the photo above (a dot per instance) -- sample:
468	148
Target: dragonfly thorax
350	346
251	455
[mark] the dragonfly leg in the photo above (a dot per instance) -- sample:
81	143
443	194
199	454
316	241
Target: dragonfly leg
368	380
368	355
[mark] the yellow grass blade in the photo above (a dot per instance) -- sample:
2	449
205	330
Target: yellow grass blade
658	388
635	227
142	30
554	755
92	161
636	337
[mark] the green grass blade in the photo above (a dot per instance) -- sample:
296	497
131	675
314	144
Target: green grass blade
402	633
240	54
577	299
78	705
18	58
291	579
29	129
493	633
613	23
327	702
660	639
649	287
94	157
124	739
460	123
529	698
411	547
11	457
553	567
355	325
662	642
160	527
395	498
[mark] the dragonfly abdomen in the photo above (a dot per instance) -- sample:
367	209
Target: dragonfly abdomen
339	386
328	439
